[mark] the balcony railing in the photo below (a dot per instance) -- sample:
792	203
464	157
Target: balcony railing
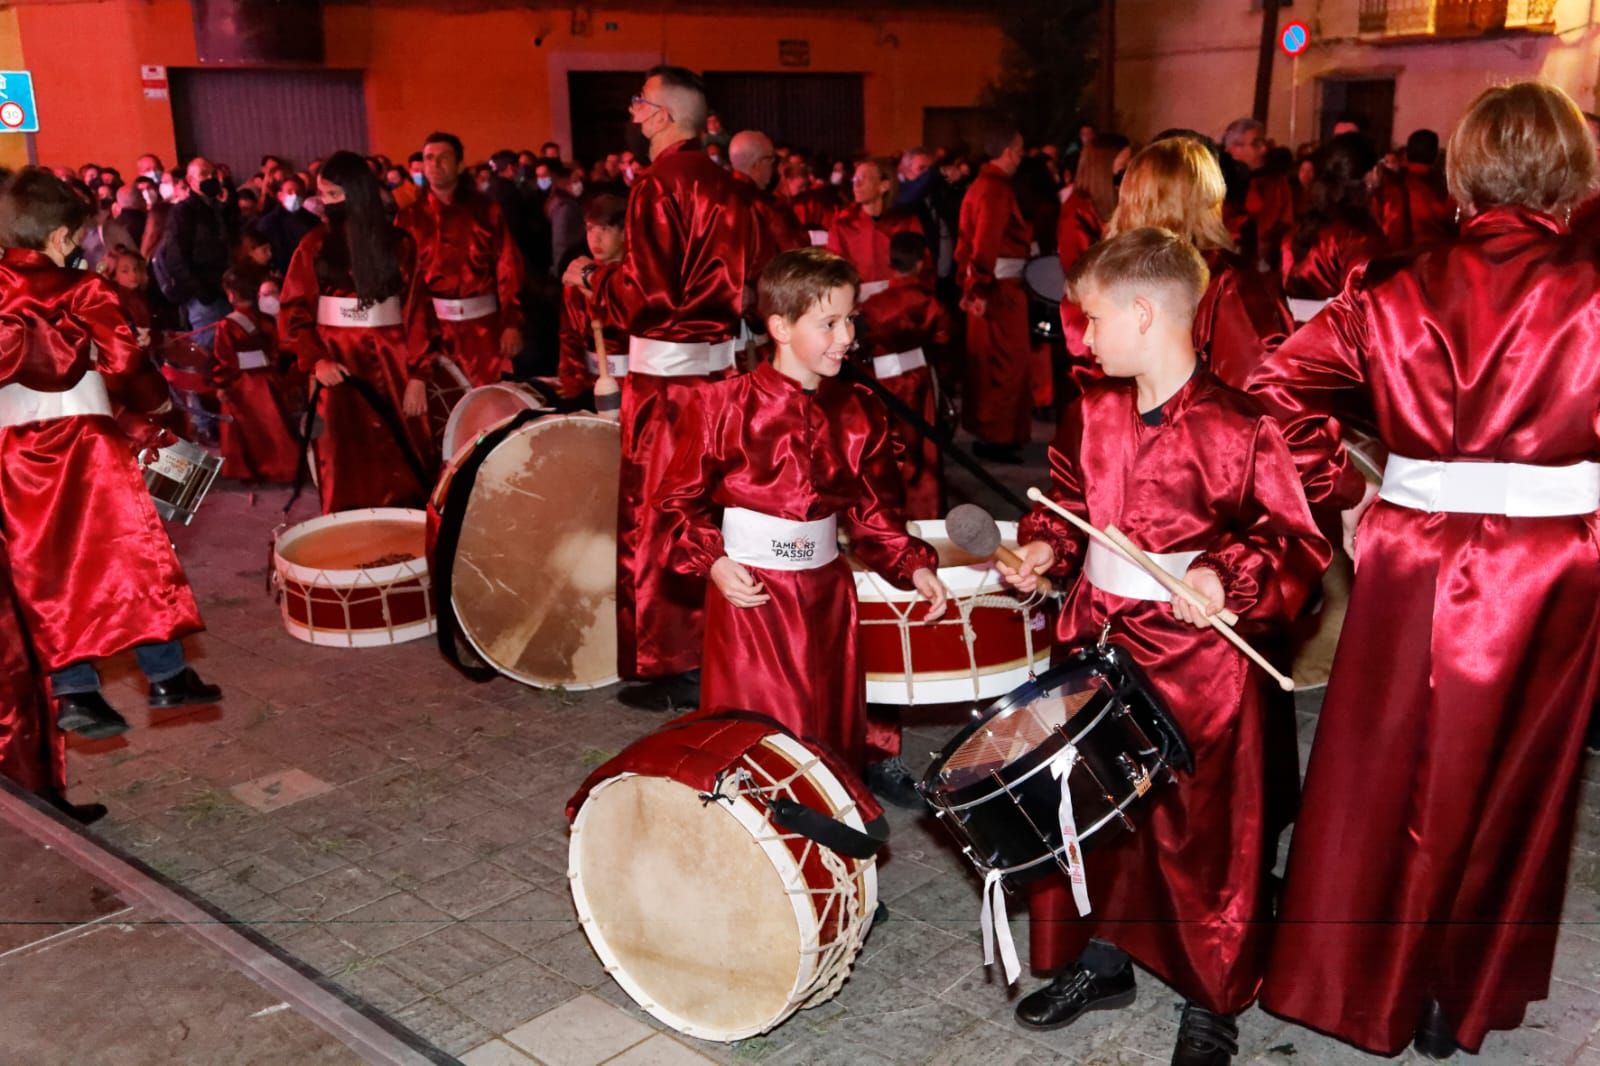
1454	19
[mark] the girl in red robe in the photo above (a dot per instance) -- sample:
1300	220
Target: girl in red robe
1428	867
788	454
353	305
257	442
1199	477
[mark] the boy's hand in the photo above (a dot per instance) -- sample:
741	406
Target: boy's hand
329	373
1205	581
737	585
1352	518
933	590
1037	557
576	276
415	402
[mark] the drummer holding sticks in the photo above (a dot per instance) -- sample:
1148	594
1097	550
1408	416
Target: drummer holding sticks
1196	480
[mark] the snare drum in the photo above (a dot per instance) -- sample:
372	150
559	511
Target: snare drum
525	544
1095	721
356	579
487	406
715	918
1044	280
179	479
988	642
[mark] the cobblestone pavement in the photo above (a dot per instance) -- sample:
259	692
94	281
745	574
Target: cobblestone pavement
401	830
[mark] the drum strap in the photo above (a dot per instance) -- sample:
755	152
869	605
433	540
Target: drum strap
386	414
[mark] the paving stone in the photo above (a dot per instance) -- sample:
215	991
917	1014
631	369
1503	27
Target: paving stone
572	956
473	888
443	1026
496	1053
387	924
379	985
581	1032
659	1050
335	893
420	860
446	957
279	789
506	995
527	921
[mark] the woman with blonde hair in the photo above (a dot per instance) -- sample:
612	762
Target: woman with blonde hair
1428	869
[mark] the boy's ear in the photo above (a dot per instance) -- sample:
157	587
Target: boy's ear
778	328
1146	310
60	235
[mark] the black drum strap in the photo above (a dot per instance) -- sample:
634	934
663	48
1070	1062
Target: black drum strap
452	512
301	469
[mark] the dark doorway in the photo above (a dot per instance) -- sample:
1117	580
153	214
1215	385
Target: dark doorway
236	116
822	114
956	129
599	108
1369	99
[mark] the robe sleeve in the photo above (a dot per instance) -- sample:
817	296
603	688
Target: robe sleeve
982	230
297	305
1238	323
508	272
130	375
420	324
1314	376
225	355
877	521
686	487
1276	555
1066	489
572	368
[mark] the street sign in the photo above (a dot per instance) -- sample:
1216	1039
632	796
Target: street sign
17	111
1294	38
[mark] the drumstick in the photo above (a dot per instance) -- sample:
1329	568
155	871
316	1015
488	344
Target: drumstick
1106	542
607	393
1132	551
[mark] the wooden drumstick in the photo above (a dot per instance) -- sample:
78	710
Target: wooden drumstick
607	393
1106	542
1131	550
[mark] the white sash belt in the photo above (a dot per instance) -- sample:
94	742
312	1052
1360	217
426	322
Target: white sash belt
1109	572
253	360
892	366
767	542
466	309
819	238
1305	310
1006	267
345	311
676	359
20	405
869	289
1518	490
617	364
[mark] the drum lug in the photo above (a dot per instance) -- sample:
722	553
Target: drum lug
1137	775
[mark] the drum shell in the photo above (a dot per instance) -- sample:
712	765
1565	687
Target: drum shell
483	408
354	608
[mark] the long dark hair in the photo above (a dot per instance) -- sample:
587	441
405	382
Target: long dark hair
362	245
1339	190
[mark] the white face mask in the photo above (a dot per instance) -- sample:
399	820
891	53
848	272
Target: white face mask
544	183
290	201
166	190
268	305
837	178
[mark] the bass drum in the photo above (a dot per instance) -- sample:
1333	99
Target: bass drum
525	546
447	384
1044	280
485	407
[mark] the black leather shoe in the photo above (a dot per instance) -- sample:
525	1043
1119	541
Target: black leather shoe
891	782
678	693
1205	1038
1074	993
1436	1037
88	715
82	813
184	690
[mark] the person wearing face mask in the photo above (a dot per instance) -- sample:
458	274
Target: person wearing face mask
92	568
469	264
286	222
680	291
195	250
813	205
354	304
564	214
754	164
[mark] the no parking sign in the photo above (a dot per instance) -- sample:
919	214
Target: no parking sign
1295	38
17	111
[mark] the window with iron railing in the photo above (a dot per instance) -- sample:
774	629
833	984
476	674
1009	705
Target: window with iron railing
1454	18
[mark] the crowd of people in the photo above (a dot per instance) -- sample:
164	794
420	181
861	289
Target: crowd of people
1233	312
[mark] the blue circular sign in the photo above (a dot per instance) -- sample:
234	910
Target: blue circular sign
1295	38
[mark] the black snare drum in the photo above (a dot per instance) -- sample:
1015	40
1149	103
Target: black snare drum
1044	281
1095	721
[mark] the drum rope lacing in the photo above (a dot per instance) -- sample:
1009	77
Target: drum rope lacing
964	607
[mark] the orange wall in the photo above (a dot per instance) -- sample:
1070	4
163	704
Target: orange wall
13	146
481	75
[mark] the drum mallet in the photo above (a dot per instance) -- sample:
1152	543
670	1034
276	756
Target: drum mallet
1118	540
974	531
607	393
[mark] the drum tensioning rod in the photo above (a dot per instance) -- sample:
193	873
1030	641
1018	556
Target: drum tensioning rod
1105	793
1021	809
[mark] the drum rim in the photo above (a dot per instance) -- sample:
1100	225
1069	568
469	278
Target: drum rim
537	424
447	437
343	578
1027	282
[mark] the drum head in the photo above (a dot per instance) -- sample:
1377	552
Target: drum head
1016	727
483	408
534	577
684	906
1044	278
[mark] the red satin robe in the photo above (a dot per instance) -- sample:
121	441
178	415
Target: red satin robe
1342	245
997	404
1269	201
93	571
905	316
33	752
257	441
359	463
1413	207
573	376
1431	852
1184	894
764	443
464	249
864	241
1078	229
814	209
683	277
778	224
1239	320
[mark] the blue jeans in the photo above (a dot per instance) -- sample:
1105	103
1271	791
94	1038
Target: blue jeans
203	315
158	662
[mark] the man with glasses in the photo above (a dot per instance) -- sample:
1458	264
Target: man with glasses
755	163
680	291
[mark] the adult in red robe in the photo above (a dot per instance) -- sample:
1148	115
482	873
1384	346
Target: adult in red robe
992	247
765	444
1412	204
861	232
386	343
813	205
680	290
469	265
1211	479
753	161
1462	683
257	439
